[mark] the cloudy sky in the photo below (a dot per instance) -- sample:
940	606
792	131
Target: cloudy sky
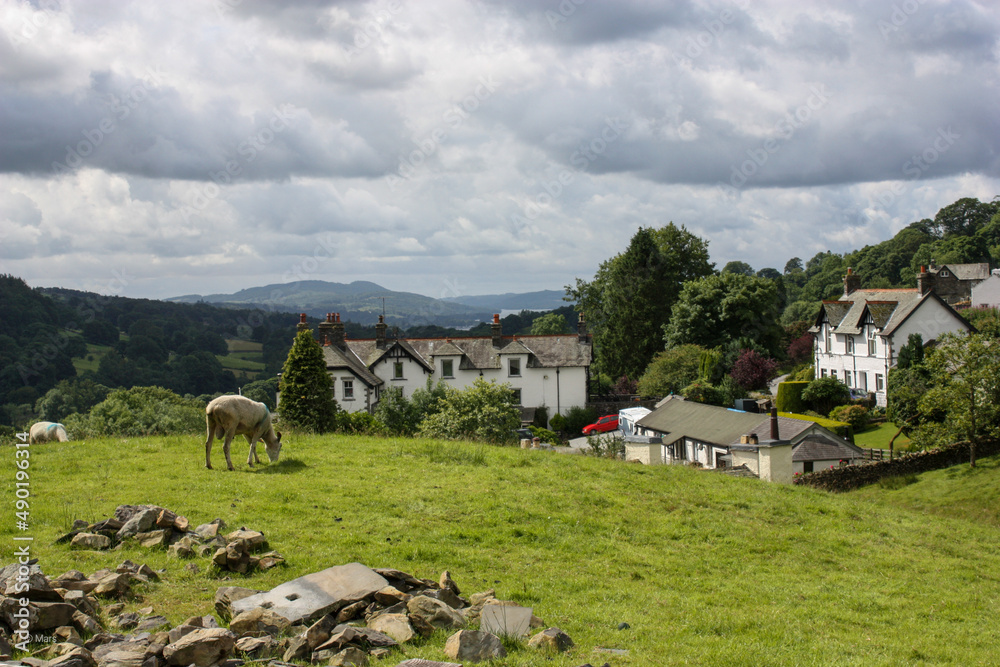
451	148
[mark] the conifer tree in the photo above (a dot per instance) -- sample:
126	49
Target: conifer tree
306	388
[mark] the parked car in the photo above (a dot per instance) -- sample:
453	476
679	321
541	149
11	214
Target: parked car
602	425
858	394
520	434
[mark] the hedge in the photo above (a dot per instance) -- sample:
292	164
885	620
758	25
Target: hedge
789	398
843	429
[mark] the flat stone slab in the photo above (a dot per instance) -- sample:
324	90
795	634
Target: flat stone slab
505	621
419	662
314	595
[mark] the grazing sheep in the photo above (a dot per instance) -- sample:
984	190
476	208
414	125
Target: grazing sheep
47	432
230	416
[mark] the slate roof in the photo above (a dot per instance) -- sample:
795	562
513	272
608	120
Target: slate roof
891	306
814	448
337	359
980	271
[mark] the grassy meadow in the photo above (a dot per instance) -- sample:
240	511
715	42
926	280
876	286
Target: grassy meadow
706	569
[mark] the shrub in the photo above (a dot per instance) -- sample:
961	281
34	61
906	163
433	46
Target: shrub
545	435
855	415
541	417
262	391
789	398
396	412
606	445
484	411
306	388
558	422
702	392
359	423
671	370
139	411
843	429
751	370
803	374
577	417
825	394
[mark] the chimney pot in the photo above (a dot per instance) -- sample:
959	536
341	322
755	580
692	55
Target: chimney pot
774	424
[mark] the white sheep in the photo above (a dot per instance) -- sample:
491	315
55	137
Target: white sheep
230	416
47	432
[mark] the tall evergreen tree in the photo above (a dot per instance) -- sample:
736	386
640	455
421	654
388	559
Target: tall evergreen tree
306	388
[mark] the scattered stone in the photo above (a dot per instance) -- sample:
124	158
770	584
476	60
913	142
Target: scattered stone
320	631
80	524
448	597
397	626
203	647
256	648
176	633
258	620
269	560
127	621
208	530
227	595
552	639
427	614
613	651
68	633
505	621
154	539
447	583
113	585
391	595
78	657
192	567
349	657
90	541
254	539
351	611
298	649
86	624
141	519
151	623
624	626
51	615
53	651
313	595
474	646
420	662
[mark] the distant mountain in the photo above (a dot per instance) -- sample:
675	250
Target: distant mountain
360	302
549	299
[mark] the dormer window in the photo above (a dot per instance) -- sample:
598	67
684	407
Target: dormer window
448	368
514	367
944	273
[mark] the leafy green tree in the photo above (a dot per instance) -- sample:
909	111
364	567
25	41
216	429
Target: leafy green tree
753	371
911	354
579	416
549	324
69	396
396	412
306	388
793	265
671	371
483	411
742	268
769	273
715	310
824	394
101	332
965	372
263	391
904	389
700	391
631	296
139	411
964	217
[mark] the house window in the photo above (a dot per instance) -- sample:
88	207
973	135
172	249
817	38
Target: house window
807	466
822	372
850	344
448	368
833	372
514	367
879	382
849	378
348	390
871	347
517	396
397	370
944	274
829	339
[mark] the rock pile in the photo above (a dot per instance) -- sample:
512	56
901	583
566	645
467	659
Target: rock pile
156	527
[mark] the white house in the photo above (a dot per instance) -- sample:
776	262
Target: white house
859	335
550	371
987	293
714	437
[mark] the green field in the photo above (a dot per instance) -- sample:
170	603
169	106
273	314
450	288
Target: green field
878	437
92	359
706	569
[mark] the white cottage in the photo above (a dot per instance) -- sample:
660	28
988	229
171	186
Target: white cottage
858	336
550	371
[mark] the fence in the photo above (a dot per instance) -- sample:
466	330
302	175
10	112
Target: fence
876	454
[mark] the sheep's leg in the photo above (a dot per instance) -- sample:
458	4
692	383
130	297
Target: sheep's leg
208	445
252	455
229	441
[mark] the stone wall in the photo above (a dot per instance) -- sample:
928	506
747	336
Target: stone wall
854	477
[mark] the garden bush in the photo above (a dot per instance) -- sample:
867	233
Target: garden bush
789	398
139	411
855	415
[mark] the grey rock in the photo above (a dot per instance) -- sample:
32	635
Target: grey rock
474	646
298	649
391	595
151	623
85	623
427	614
420	662
313	595
133	657
351	611
255	647
505	620
203	647
141	520
127	621
448	597
349	657
78	657
52	615
552	639
397	626
90	541
227	595
321	630
447	583
259	620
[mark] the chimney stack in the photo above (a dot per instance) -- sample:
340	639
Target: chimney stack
852	282
303	325
324	330
496	329
774	424
925	280
581	329
380	332
337	336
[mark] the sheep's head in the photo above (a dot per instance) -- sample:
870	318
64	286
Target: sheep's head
274	449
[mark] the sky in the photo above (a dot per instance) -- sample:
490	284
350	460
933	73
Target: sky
451	148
